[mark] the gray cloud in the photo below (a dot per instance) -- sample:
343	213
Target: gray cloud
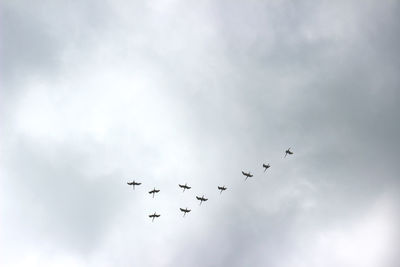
173	92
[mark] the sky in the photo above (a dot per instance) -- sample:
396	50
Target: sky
95	94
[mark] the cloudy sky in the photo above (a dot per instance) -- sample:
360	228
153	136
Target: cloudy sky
97	93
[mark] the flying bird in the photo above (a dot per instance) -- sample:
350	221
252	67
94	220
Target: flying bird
201	199
133	183
185	211
185	186
247	175
222	188
155	215
266	166
288	152
154	191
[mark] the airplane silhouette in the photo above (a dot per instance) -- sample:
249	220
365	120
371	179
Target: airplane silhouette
154	191
247	175
201	199
155	215
185	186
266	166
185	211
288	152
222	188
133	183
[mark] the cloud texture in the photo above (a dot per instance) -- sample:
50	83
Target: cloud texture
97	93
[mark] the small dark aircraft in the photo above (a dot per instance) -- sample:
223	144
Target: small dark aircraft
154	191
133	183
185	186
155	215
266	166
247	175
222	188
288	152
201	199
185	211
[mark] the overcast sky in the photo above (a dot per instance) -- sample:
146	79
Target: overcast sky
97	93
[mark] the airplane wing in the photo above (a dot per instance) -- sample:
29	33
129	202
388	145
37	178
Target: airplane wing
181	186
158	215
198	198
182	209
138	183
130	183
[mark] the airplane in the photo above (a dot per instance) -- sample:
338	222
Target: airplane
185	211
201	199
154	191
288	152
185	186
222	188
133	183
155	215
247	175
266	166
